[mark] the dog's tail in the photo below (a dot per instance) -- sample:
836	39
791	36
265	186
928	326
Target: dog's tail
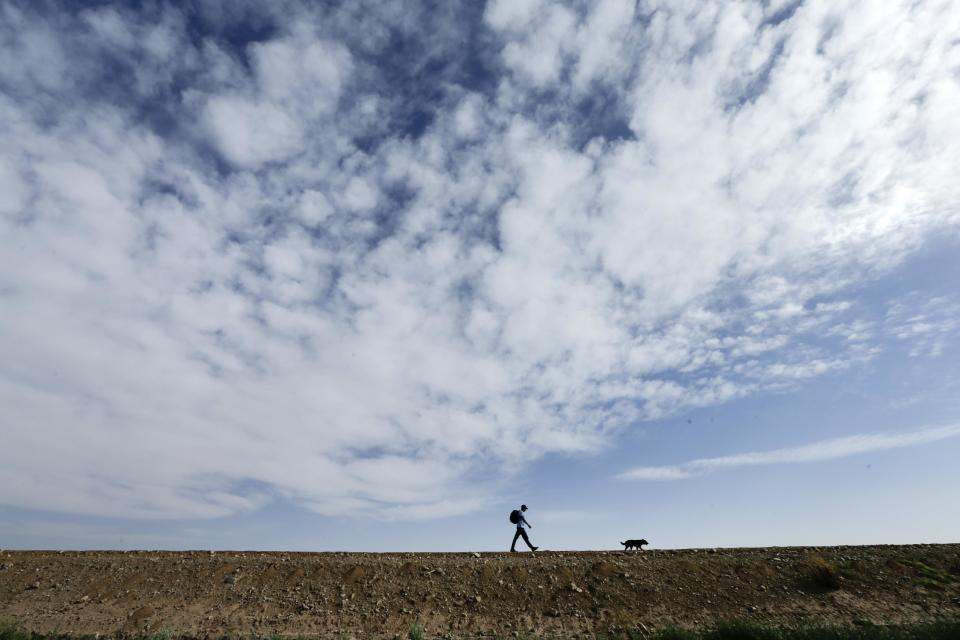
624	543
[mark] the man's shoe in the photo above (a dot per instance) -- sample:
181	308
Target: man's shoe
534	548
513	550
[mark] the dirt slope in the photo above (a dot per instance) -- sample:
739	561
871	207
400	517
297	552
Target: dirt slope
465	594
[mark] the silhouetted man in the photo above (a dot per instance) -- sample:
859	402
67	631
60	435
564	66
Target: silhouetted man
520	531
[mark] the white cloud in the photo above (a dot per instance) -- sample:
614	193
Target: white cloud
925	325
814	452
604	43
185	338
503	14
41	62
468	118
304	72
539	57
110	27
657	473
314	207
249	133
13	189
359	195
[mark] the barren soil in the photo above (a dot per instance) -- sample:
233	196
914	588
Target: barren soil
466	594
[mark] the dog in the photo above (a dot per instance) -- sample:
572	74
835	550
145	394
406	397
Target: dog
637	544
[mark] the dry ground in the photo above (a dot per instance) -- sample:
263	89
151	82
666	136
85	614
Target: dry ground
466	594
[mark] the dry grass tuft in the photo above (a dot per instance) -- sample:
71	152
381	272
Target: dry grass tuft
821	573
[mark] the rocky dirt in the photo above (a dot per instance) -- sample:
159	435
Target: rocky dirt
560	594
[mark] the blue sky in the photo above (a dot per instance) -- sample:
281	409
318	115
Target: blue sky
365	276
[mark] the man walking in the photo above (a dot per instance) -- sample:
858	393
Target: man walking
516	516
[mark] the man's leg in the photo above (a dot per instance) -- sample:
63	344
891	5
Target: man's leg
523	532
515	536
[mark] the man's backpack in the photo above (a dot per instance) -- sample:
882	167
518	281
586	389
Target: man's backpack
515	516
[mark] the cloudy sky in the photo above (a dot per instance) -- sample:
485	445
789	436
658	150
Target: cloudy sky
366	275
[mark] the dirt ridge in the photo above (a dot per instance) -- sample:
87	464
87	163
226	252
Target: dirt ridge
380	595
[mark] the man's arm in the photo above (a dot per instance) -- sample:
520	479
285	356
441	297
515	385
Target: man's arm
526	523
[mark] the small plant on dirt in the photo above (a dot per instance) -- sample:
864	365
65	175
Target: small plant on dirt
10	632
822	573
954	567
933	585
675	633
897	567
741	630
930	577
415	632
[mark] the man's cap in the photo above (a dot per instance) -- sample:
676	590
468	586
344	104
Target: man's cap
523	506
